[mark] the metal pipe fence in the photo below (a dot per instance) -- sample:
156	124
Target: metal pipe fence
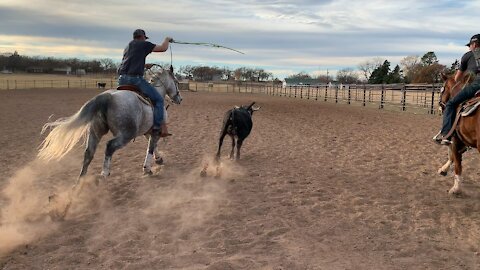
58	83
416	98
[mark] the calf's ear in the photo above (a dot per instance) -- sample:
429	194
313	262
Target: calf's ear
255	108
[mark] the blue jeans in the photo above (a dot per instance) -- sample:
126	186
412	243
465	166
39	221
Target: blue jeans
150	92
451	107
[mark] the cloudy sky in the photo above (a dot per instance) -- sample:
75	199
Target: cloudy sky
281	36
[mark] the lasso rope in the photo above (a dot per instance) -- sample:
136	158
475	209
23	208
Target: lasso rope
205	44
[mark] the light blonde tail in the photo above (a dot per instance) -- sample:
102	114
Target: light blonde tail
66	133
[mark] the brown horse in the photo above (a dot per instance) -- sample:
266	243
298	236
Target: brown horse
467	131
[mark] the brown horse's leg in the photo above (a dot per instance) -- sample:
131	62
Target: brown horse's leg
446	167
455	149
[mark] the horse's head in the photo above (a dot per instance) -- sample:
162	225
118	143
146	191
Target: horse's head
166	79
451	87
446	90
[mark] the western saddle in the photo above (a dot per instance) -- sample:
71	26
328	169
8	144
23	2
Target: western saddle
136	90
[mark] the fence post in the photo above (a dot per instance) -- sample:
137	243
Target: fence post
34	84
295	91
326	92
432	111
8	86
382	97
349	94
336	93
364	94
404	97
15	84
316	94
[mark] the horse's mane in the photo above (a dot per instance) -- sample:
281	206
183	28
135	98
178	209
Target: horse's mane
468	77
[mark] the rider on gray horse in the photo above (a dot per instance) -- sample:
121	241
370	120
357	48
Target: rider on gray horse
470	62
131	71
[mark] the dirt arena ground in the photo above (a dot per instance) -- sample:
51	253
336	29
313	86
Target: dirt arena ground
319	186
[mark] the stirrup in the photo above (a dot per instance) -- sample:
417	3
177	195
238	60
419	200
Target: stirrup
445	142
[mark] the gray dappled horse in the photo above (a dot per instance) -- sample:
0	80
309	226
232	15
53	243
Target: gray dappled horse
124	113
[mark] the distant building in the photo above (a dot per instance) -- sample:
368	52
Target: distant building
64	70
5	71
35	70
80	72
217	77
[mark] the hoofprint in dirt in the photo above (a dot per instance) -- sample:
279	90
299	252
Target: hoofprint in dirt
319	186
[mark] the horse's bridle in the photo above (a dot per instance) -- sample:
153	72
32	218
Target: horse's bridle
163	83
440	102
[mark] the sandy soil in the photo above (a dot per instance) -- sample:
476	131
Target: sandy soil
319	186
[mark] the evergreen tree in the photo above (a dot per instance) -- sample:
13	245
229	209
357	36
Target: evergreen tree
380	74
429	59
454	66
396	75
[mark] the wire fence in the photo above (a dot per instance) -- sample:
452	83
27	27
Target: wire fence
57	83
416	98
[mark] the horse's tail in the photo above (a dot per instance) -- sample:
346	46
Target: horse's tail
68	131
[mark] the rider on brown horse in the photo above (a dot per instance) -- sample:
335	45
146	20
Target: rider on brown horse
470	63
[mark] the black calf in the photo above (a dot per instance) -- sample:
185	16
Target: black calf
237	123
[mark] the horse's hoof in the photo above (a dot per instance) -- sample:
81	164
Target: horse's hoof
105	174
442	173
454	192
203	173
159	161
149	173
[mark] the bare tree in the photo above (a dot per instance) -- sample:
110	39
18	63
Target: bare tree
107	64
410	66
347	75
368	66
